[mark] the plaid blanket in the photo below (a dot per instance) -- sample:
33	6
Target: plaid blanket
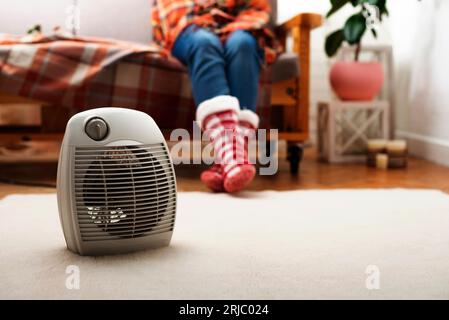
82	73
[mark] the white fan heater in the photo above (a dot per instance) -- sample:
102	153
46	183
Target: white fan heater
116	183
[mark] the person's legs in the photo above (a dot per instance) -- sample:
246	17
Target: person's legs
217	110
203	54
243	62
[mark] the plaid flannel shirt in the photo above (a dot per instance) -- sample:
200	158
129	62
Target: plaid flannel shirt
170	17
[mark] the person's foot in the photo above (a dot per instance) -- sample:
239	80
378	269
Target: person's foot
239	177
236	179
213	178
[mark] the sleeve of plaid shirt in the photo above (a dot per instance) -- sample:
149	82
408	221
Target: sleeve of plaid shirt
256	17
156	23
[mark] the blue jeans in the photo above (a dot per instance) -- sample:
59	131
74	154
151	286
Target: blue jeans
215	69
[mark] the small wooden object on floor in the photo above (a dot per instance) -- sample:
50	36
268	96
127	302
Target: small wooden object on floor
384	154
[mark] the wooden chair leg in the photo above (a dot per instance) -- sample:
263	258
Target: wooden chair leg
295	152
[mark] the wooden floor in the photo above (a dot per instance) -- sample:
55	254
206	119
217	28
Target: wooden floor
313	175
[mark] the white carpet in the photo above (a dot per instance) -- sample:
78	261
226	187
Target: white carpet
265	245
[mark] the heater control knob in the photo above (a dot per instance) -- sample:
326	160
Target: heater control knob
96	129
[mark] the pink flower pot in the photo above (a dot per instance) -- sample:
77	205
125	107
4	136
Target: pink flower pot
360	81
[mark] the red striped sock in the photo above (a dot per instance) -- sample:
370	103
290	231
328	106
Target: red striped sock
213	177
218	118
229	149
247	126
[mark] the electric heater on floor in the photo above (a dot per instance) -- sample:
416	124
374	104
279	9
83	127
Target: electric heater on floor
116	184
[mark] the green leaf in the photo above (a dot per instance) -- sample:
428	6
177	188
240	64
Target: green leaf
336	2
382	5
336	5
333	42
354	28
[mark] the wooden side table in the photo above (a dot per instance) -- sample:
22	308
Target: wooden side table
344	128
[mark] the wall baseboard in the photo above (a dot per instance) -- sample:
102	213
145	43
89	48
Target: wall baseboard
426	147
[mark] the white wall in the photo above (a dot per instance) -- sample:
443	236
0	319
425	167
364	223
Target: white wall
120	19
421	48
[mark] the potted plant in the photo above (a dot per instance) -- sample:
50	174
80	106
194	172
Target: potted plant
355	80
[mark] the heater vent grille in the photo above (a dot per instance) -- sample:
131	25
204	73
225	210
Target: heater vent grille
124	192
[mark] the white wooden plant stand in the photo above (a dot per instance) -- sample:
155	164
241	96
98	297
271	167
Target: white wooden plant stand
344	128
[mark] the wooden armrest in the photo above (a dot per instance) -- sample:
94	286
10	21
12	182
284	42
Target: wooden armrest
299	28
303	20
